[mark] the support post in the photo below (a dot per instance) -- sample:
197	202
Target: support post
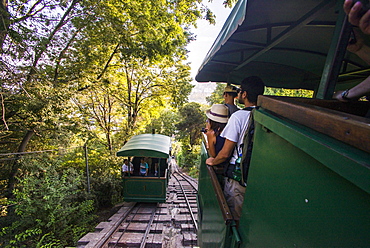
87	167
335	57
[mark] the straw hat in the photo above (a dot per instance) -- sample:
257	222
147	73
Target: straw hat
230	89
218	113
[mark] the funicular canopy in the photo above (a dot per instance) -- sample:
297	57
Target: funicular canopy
147	145
286	43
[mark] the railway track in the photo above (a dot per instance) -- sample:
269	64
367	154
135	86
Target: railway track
144	225
188	194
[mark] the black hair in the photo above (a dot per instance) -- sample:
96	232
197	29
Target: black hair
254	86
125	160
233	94
217	127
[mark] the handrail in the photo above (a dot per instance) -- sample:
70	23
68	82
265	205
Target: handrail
225	210
220	196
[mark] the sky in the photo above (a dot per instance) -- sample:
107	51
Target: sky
205	36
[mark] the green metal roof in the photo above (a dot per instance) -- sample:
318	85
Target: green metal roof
146	145
285	42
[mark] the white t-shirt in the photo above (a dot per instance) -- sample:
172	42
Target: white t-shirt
125	167
235	130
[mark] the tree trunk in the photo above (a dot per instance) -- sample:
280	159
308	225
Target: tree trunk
16	164
4	22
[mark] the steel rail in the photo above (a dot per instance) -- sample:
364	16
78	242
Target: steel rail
113	229
187	203
187	178
147	230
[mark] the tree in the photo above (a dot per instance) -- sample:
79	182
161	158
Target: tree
288	92
63	45
192	120
53	50
149	87
164	122
217	95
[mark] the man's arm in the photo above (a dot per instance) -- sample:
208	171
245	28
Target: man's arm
224	154
356	92
359	47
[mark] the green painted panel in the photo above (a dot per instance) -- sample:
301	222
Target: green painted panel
141	189
304	194
212	230
349	162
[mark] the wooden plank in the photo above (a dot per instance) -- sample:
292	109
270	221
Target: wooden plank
350	129
359	108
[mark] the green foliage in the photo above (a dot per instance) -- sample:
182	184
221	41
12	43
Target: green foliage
288	92
51	208
164	123
76	71
194	171
106	189
229	3
119	60
188	159
192	120
216	96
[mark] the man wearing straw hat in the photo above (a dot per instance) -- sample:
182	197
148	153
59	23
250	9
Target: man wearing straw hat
230	93
251	88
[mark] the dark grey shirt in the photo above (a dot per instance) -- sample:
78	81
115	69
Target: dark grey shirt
232	108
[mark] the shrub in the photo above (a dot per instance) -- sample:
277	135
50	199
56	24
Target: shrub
51	208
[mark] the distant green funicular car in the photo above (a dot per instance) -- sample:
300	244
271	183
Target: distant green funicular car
155	149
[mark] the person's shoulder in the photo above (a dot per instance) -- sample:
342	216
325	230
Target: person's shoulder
232	107
238	117
239	113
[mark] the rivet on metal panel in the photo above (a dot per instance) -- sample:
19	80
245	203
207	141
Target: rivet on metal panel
266	129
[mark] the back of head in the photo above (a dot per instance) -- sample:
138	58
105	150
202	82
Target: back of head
254	86
231	90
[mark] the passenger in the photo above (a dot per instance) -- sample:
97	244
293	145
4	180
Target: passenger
359	48
155	161
149	162
144	167
127	167
251	88
230	93
215	124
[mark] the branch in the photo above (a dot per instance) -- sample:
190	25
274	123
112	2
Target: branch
29	13
3	115
62	54
109	60
51	36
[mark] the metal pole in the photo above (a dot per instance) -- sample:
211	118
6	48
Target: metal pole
87	168
335	57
